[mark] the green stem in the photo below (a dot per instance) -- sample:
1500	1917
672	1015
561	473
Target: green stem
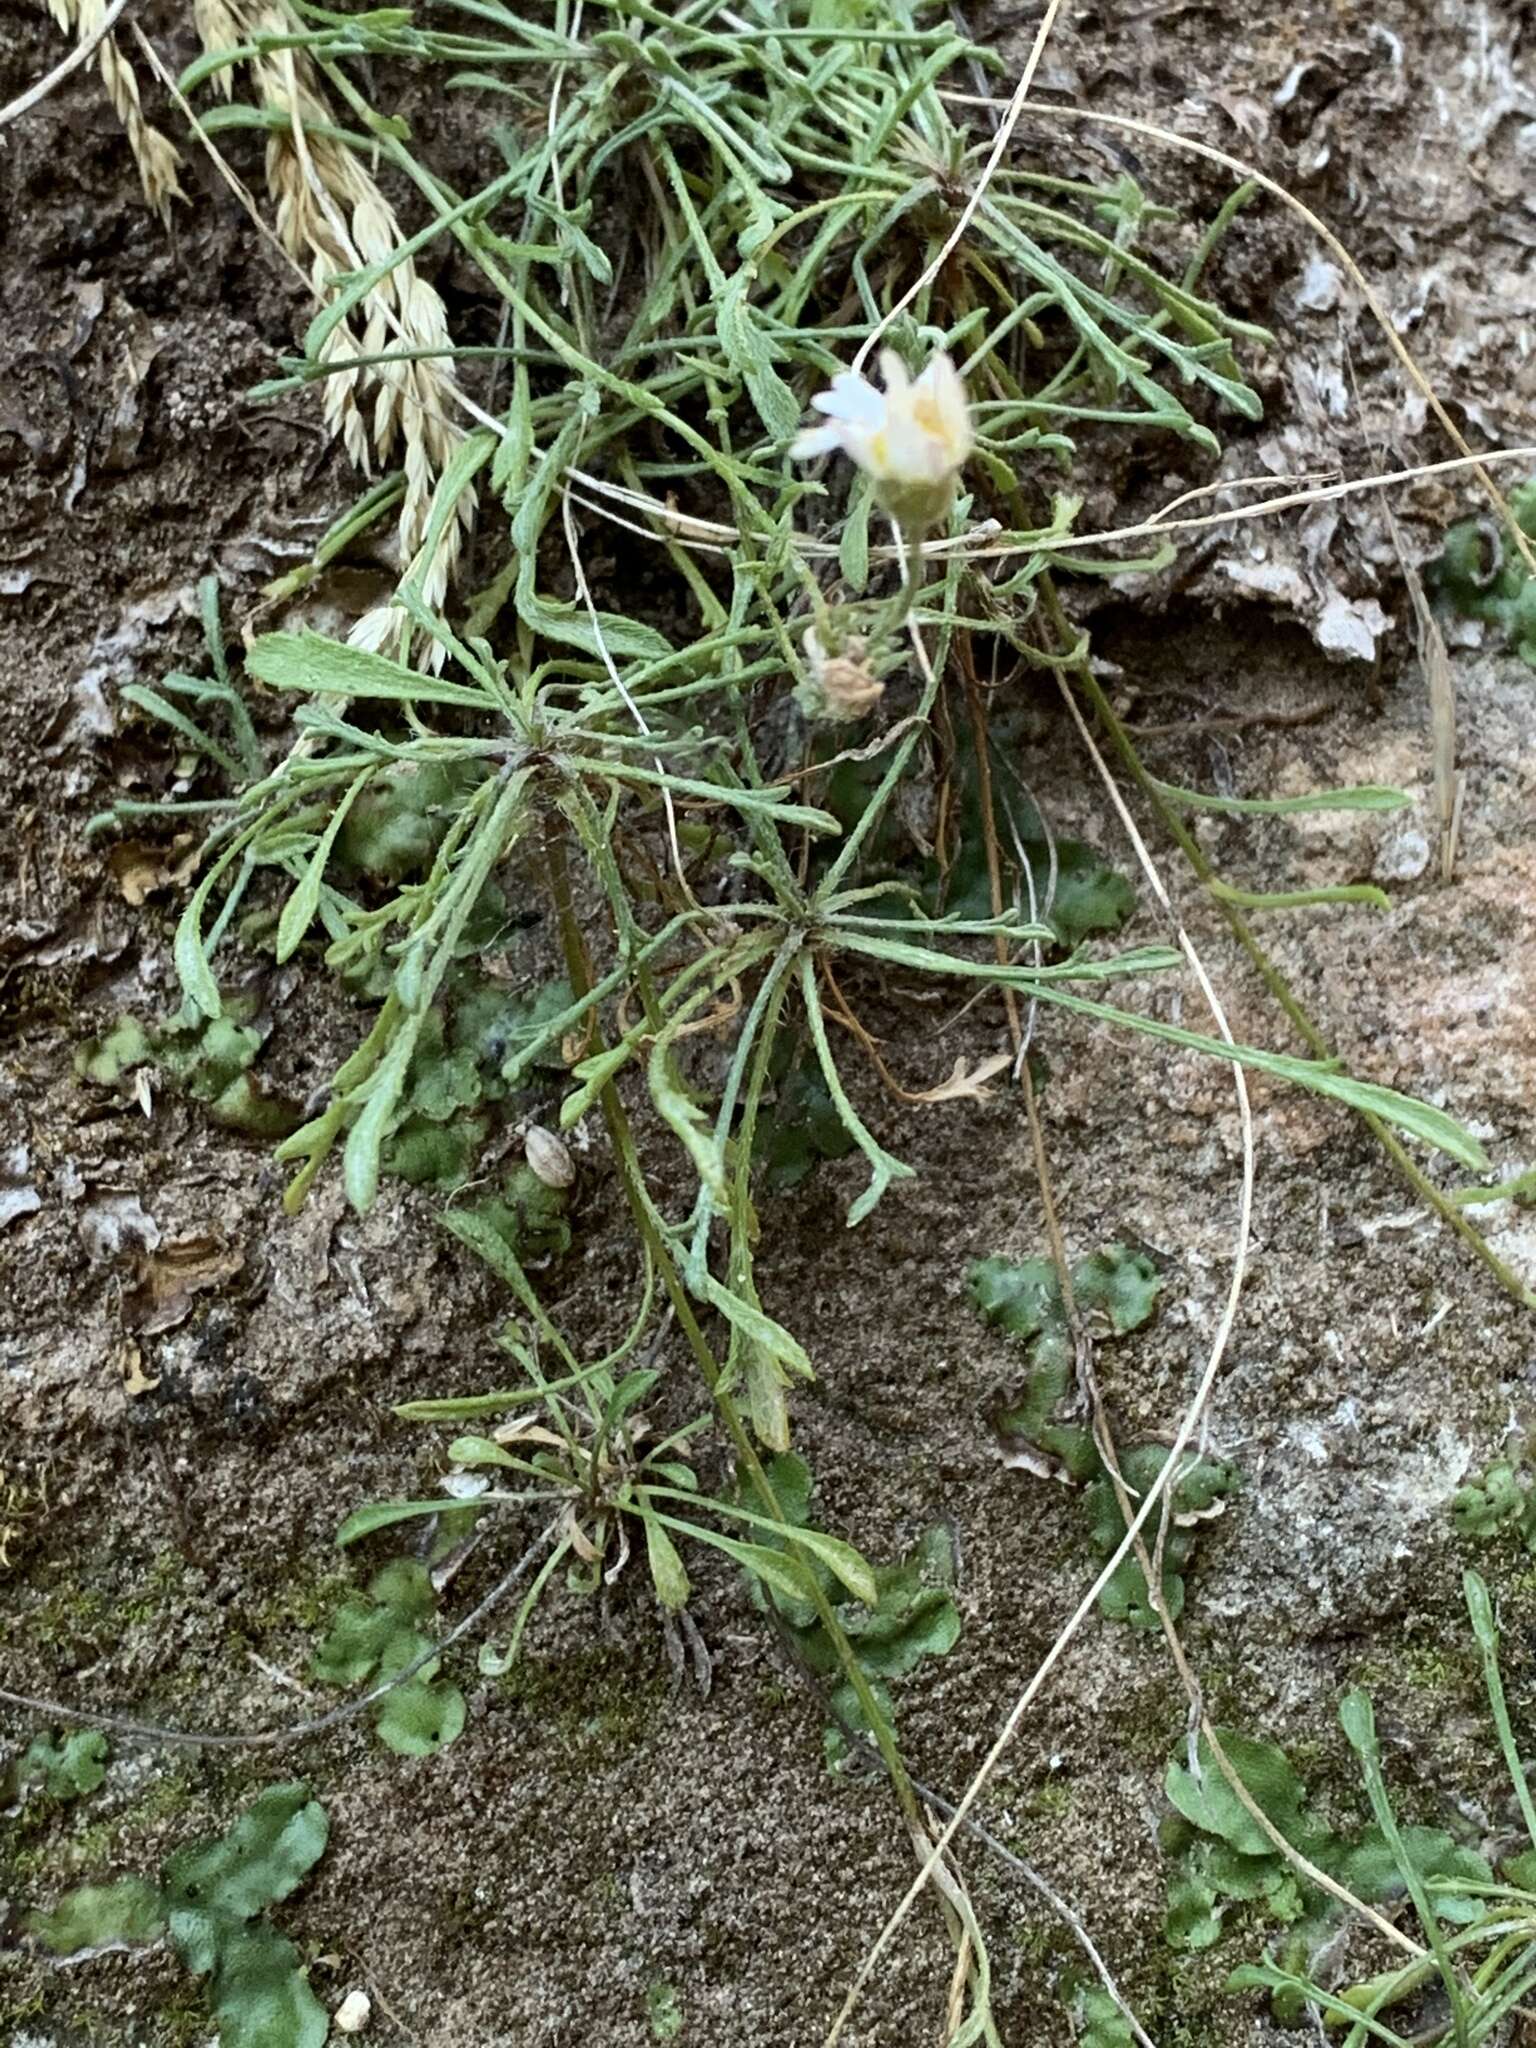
899	610
1486	1629
578	970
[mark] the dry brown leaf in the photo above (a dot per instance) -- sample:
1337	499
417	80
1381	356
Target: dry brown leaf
580	1542
136	1380
122	431
525	1430
140	869
171	1275
715	1019
965	1084
1440	681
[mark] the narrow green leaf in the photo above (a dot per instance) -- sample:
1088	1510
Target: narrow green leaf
530	511
479	1450
681	1113
1357	1717
472	1406
771	1566
667	1573
509	465
365	1141
843	1561
312	665
1362	796
884	1169
466	463
1486	1629
1431	1126
299	911
143	698
192	968
382	1514
753	1323
1264	1977
853	548
840	1558
1300	899
572	625
749	355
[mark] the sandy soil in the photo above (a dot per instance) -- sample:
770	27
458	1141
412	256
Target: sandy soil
600	1847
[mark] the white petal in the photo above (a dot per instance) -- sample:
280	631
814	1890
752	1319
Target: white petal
811	441
893	372
912	454
941	382
941	378
852	397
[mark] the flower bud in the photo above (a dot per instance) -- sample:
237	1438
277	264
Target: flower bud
842	687
548	1157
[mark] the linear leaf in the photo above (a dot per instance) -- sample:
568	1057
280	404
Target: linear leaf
311	665
1363	796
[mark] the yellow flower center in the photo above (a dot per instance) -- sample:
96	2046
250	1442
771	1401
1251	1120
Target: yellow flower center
926	412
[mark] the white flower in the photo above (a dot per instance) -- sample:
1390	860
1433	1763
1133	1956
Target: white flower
913	438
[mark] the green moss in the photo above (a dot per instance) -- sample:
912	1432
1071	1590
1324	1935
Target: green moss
163	1587
1141	1726
51	1858
1051	1800
184	2024
1440	1668
1188	2005
1448	1670
305	1603
57	1854
55	1610
22	2011
163	1800
664	2010
591	1703
72	1616
1033	1943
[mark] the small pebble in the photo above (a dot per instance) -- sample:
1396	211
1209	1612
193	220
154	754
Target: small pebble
353	2013
1404	857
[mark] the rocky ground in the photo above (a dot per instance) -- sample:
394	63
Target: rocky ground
194	1390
